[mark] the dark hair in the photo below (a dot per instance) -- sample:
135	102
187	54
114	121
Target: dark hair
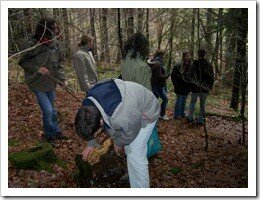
87	122
184	54
85	39
139	44
201	53
159	53
45	28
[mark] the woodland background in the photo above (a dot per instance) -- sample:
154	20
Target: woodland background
211	156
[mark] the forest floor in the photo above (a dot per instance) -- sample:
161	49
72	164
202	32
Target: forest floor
182	162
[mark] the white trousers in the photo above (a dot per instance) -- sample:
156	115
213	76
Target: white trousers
137	162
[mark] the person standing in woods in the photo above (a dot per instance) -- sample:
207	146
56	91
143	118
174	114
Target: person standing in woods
180	77
129	113
42	65
202	79
158	81
85	65
134	66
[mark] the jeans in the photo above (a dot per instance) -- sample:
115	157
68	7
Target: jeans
137	161
179	109
194	97
161	92
49	113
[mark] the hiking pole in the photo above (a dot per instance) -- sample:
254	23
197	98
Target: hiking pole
69	90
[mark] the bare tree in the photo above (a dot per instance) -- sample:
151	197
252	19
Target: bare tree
140	18
93	31
130	22
105	55
193	31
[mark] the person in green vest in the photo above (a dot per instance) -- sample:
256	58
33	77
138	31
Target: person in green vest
134	66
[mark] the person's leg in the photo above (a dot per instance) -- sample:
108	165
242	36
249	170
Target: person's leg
51	96
137	162
162	94
177	107
46	108
155	92
203	97
193	101
183	104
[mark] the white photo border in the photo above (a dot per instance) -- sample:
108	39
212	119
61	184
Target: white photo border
250	191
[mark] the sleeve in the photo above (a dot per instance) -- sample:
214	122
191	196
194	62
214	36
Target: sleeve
26	60
175	76
158	73
81	73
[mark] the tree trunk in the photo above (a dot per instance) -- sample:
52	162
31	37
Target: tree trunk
130	22
208	34
198	27
140	18
171	41
66	34
105	56
120	41
193	31
159	30
93	32
240	58
56	13
242	49
147	24
220	42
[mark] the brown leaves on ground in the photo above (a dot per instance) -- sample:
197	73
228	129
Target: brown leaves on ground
182	161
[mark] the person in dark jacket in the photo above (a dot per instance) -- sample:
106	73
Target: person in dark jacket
41	65
202	83
181	81
158	81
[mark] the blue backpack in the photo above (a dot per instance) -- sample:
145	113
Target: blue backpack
153	144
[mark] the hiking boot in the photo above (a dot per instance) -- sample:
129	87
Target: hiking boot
200	123
164	117
189	119
60	136
50	140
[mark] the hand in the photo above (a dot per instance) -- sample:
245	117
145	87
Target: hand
43	71
86	153
118	149
63	84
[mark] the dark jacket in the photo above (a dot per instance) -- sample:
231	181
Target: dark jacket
159	75
181	79
42	56
202	76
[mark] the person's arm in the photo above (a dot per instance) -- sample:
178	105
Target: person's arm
176	76
26	61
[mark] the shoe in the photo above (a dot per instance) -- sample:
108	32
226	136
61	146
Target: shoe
190	120
198	122
60	136
164	117
50	140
